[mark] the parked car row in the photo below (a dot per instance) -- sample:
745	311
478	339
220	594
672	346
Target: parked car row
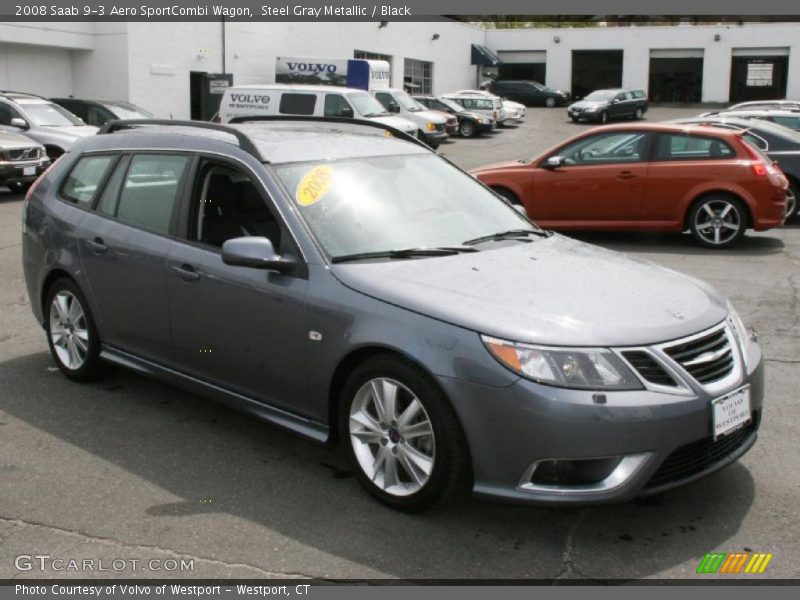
34	131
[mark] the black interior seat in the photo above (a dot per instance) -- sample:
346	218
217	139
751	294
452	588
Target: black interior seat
221	220
254	214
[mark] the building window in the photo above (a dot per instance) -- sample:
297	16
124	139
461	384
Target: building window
363	54
418	77
759	74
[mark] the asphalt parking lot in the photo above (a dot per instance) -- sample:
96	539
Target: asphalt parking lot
128	468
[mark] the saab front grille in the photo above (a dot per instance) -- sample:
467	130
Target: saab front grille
648	368
707	359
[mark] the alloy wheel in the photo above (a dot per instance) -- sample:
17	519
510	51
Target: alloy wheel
467	129
392	437
550	102
718	222
791	201
69	330
638	114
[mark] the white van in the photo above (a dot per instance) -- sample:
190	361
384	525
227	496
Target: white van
307	100
432	127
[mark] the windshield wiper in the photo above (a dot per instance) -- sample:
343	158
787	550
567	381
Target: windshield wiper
404	253
506	235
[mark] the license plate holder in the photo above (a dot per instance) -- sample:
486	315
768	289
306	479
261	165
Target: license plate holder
28	171
731	412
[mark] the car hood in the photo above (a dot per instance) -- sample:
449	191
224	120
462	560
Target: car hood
432	116
397	122
508	164
9	141
553	291
64	136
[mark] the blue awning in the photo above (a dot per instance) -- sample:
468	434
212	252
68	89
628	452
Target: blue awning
484	57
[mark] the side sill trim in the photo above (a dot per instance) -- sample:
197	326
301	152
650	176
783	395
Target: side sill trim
313	430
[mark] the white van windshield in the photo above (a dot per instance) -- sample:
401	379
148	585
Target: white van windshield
408	102
366	105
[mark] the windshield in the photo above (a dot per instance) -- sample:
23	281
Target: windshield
128	111
408	102
366	105
450	104
43	114
394	202
600	96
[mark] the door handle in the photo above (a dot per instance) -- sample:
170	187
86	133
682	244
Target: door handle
97	245
626	175
186	272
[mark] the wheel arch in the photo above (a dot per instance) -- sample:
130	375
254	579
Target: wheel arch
699	197
53	276
353	360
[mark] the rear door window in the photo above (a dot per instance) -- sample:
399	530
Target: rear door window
297	104
86	177
691	147
150	191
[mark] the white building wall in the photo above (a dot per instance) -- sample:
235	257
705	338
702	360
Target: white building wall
252	48
38	70
636	43
103	72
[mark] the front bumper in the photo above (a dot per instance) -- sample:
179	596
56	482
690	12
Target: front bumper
436	136
665	440
22	172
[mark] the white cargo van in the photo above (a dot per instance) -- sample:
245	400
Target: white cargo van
432	127
308	100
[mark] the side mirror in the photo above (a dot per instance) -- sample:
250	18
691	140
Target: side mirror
553	162
254	252
346	113
19	122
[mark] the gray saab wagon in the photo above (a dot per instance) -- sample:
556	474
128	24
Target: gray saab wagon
344	282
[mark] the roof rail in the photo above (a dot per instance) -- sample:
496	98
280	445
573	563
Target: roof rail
374	124
245	143
5	92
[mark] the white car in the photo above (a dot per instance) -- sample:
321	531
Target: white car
510	113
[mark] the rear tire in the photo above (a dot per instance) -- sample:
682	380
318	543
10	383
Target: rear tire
638	114
550	102
718	221
602	118
792	194
71	332
401	435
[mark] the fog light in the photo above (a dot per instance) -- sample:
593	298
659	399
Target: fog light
574	472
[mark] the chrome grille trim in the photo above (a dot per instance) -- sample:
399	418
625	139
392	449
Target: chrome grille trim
24	153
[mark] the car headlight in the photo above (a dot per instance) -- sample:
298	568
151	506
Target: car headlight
430	126
482	120
577	368
739	330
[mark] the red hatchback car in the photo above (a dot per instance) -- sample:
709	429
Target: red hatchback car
654	177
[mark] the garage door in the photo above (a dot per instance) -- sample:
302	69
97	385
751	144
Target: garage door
676	75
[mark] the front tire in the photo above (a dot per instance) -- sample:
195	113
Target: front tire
466	129
401	435
602	118
71	332
638	114
718	221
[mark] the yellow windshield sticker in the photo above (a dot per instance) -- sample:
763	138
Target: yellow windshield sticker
314	185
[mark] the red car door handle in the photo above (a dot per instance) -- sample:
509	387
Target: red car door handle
626	175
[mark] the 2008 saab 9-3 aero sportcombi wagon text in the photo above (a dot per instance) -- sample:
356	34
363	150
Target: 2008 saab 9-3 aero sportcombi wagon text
353	286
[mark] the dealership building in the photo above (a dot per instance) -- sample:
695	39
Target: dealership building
179	69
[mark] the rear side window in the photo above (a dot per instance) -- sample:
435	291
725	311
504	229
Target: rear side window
790	122
691	147
86	176
637	94
297	104
148	195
